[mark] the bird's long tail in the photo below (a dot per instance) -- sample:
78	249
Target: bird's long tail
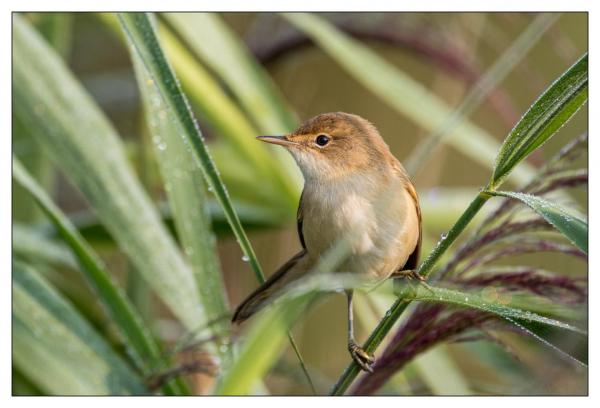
291	270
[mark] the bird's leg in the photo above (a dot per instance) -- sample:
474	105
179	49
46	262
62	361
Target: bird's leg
359	355
410	275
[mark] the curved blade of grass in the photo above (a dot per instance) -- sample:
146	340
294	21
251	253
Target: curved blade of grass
57	349
186	191
532	323
547	114
569	224
401	92
140	32
76	135
142	347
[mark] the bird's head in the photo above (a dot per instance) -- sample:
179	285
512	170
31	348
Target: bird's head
333	145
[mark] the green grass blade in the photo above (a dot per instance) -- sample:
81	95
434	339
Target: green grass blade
57	349
401	92
547	114
570	225
73	131
140	32
141	345
187	195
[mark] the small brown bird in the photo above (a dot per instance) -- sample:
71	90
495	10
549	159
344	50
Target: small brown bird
354	187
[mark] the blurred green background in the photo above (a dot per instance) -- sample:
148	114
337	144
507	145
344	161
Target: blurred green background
444	52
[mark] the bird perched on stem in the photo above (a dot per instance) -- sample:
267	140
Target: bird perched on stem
354	188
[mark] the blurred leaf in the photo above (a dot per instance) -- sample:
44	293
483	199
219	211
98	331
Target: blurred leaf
137	337
548	114
440	373
57	349
261	348
570	225
76	135
187	194
56	28
530	322
31	243
407	96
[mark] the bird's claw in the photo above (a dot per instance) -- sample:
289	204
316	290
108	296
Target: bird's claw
412	275
361	357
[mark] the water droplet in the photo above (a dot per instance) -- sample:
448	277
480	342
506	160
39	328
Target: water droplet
245	258
443	236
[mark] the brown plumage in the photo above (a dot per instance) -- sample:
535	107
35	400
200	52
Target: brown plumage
355	188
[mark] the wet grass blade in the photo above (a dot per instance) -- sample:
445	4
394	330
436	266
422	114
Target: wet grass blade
548	113
140	32
186	191
570	225
57	349
143	348
73	131
401	92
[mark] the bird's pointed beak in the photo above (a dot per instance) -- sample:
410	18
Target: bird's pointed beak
278	140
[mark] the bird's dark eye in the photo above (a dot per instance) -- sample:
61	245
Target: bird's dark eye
322	140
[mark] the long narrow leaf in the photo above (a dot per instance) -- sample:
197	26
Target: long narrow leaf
57	349
187	194
140	32
548	114
401	92
570	225
76	135
137	337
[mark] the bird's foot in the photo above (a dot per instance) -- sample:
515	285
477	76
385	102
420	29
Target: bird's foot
411	275
361	357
